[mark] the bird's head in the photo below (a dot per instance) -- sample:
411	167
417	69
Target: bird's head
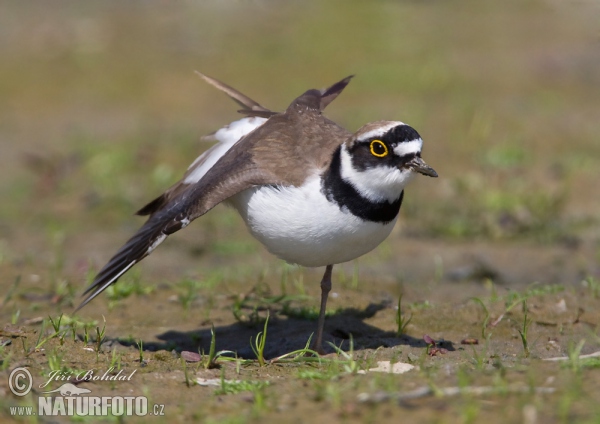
381	157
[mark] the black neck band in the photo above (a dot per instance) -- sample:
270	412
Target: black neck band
345	195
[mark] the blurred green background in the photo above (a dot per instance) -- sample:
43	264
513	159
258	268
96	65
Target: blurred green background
100	111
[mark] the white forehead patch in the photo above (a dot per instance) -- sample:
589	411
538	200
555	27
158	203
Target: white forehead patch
408	147
379	132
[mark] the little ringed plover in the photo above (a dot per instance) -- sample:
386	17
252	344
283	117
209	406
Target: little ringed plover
311	192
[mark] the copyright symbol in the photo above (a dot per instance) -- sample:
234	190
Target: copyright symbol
20	381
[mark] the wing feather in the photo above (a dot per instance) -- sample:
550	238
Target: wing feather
250	107
137	248
262	157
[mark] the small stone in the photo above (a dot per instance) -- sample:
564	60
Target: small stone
190	356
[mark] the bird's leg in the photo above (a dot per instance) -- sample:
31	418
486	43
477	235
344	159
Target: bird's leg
325	289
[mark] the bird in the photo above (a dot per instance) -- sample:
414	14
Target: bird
313	193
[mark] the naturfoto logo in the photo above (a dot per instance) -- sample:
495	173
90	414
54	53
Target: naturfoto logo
71	400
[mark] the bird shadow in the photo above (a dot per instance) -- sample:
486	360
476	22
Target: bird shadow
287	334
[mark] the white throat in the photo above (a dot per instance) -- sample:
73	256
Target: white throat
381	183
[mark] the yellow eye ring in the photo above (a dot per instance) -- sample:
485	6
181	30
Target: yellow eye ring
376	148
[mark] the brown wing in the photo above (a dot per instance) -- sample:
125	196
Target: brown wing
251	108
285	150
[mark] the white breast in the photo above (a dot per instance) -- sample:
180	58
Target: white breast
299	225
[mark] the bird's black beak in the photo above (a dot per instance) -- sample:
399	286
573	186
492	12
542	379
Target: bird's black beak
418	165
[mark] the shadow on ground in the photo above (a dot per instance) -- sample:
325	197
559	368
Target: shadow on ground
286	334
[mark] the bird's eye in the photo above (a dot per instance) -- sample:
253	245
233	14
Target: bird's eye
378	148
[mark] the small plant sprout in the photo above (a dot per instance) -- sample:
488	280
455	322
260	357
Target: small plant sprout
485	321
26	350
100	335
210	361
15	317
188	382
574	353
350	365
479	358
74	330
56	325
86	335
305	354
140	346
523	333
514	299
115	359
258	346
11	291
401	322
54	360
41	341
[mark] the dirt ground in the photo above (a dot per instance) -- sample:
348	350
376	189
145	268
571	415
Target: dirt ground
497	262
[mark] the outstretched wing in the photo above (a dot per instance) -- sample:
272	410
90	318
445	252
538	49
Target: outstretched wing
233	177
229	135
259	158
